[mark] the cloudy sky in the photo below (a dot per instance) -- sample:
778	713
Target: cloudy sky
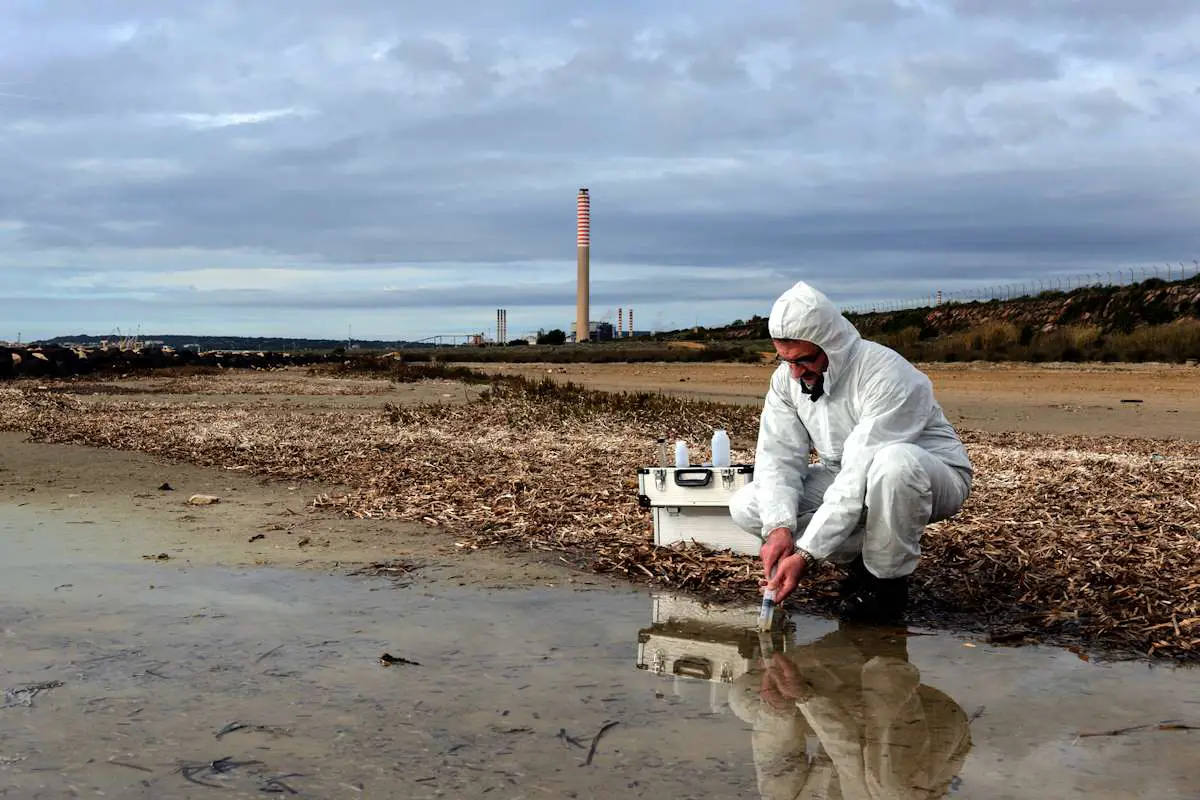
399	169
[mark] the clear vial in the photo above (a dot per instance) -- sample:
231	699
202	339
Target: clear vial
767	611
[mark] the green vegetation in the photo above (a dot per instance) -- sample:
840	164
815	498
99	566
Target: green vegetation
1176	342
597	353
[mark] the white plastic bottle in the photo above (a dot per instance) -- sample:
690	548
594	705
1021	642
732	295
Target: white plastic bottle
681	454
720	448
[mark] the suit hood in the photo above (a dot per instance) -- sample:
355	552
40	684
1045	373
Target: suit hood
802	312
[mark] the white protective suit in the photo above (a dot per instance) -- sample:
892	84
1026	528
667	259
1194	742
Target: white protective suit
889	460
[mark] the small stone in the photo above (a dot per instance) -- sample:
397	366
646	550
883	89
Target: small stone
203	500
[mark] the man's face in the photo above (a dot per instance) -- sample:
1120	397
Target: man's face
805	360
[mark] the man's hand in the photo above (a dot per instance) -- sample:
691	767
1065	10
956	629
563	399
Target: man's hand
791	569
778	545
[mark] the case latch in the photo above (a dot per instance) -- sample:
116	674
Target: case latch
727	478
660	479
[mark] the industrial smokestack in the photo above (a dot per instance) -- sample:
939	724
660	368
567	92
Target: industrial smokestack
583	241
620	319
630	323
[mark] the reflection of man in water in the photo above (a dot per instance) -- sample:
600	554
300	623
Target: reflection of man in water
881	732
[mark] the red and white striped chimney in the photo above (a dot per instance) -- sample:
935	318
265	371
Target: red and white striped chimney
583	242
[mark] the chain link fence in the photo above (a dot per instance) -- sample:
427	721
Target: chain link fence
1034	286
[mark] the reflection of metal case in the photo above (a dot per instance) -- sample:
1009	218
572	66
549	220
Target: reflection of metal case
704	643
692	504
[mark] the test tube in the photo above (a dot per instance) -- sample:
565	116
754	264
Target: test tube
767	611
662	453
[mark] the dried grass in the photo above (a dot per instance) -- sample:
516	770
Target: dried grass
1089	538
286	383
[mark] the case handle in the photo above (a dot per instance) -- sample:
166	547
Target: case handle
693	477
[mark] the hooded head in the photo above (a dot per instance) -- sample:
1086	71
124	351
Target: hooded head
803	314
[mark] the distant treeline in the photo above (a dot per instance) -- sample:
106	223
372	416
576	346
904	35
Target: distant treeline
599	353
233	343
65	362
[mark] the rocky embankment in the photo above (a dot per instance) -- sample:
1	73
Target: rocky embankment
1112	309
53	361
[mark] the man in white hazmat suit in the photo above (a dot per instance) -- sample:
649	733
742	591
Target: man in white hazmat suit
889	462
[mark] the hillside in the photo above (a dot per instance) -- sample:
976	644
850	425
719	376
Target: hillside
1110	309
1154	320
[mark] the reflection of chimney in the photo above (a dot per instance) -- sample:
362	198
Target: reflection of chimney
583	242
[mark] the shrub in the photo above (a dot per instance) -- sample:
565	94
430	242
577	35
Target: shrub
1177	341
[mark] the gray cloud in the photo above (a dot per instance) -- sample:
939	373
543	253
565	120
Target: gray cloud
957	141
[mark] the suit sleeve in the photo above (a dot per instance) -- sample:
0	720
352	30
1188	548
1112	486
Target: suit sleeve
781	458
895	409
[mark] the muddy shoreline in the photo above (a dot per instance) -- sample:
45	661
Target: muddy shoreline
265	521
167	679
257	521
261	522
248	660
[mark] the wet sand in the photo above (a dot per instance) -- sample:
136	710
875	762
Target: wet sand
256	521
512	687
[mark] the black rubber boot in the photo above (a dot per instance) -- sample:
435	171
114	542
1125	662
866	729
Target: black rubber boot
856	578
878	601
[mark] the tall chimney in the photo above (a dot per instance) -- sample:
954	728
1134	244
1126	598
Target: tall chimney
620	319
583	241
630	322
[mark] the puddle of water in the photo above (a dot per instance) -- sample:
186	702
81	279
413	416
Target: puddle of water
512	687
